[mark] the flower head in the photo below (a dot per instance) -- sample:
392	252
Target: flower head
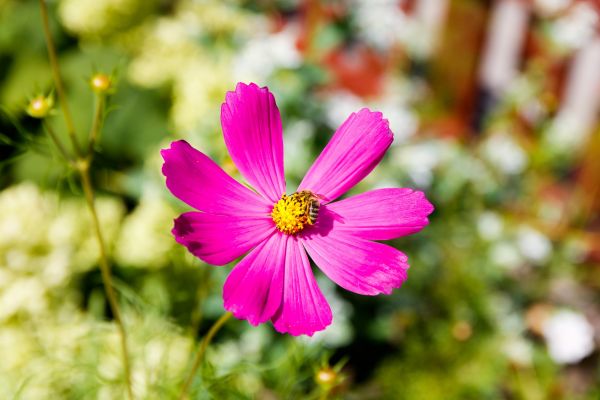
274	281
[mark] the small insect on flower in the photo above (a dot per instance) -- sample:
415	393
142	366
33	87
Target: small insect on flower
278	231
292	213
313	205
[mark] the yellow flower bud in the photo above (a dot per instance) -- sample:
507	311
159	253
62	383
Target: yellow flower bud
40	106
326	377
101	83
462	331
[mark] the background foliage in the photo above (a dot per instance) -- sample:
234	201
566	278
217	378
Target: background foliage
502	296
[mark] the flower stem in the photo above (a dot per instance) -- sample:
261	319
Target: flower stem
83	164
57	142
96	123
60	90
84	173
205	342
324	394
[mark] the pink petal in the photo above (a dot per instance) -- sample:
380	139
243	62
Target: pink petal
197	180
304	310
356	264
220	239
254	288
253	135
381	214
351	154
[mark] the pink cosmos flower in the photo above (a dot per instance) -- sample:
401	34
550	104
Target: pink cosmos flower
274	281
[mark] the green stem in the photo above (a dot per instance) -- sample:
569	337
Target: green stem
83	166
205	342
84	172
57	142
57	79
96	123
201	294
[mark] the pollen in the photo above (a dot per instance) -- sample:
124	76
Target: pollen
291	213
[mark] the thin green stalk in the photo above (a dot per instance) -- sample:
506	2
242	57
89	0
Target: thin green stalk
84	173
201	294
88	189
96	123
199	355
82	164
57	79
57	142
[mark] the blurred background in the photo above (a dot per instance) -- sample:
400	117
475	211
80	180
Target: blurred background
494	106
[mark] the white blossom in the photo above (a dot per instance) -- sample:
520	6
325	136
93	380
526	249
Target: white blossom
576	28
265	53
505	154
489	225
381	22
533	245
569	336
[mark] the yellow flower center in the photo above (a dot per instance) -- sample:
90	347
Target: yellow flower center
292	213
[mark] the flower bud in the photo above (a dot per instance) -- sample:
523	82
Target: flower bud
40	106
326	377
101	83
462	331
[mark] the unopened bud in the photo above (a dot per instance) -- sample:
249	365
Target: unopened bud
40	106
462	331
326	377
101	83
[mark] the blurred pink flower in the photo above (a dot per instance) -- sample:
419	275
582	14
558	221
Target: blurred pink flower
275	280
